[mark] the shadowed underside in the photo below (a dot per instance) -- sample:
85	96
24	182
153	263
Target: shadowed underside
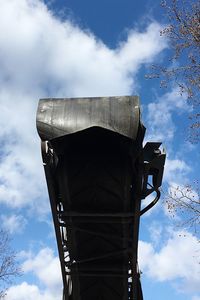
95	182
95	178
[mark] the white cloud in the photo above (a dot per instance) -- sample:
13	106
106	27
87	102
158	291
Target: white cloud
46	267
13	223
43	56
65	59
160	121
25	291
177	259
156	233
176	170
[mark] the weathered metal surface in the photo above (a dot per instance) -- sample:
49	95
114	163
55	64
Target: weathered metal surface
58	117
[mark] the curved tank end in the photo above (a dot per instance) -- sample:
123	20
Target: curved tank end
59	117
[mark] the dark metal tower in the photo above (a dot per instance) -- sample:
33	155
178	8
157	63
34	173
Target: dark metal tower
97	173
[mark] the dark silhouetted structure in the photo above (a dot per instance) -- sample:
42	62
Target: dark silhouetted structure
97	173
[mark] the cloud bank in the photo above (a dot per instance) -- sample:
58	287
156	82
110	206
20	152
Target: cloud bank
45	267
176	259
42	56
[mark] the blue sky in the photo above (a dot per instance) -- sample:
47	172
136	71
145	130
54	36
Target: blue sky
76	49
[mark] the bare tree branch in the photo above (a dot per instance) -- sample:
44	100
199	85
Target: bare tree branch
184	202
9	267
183	33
